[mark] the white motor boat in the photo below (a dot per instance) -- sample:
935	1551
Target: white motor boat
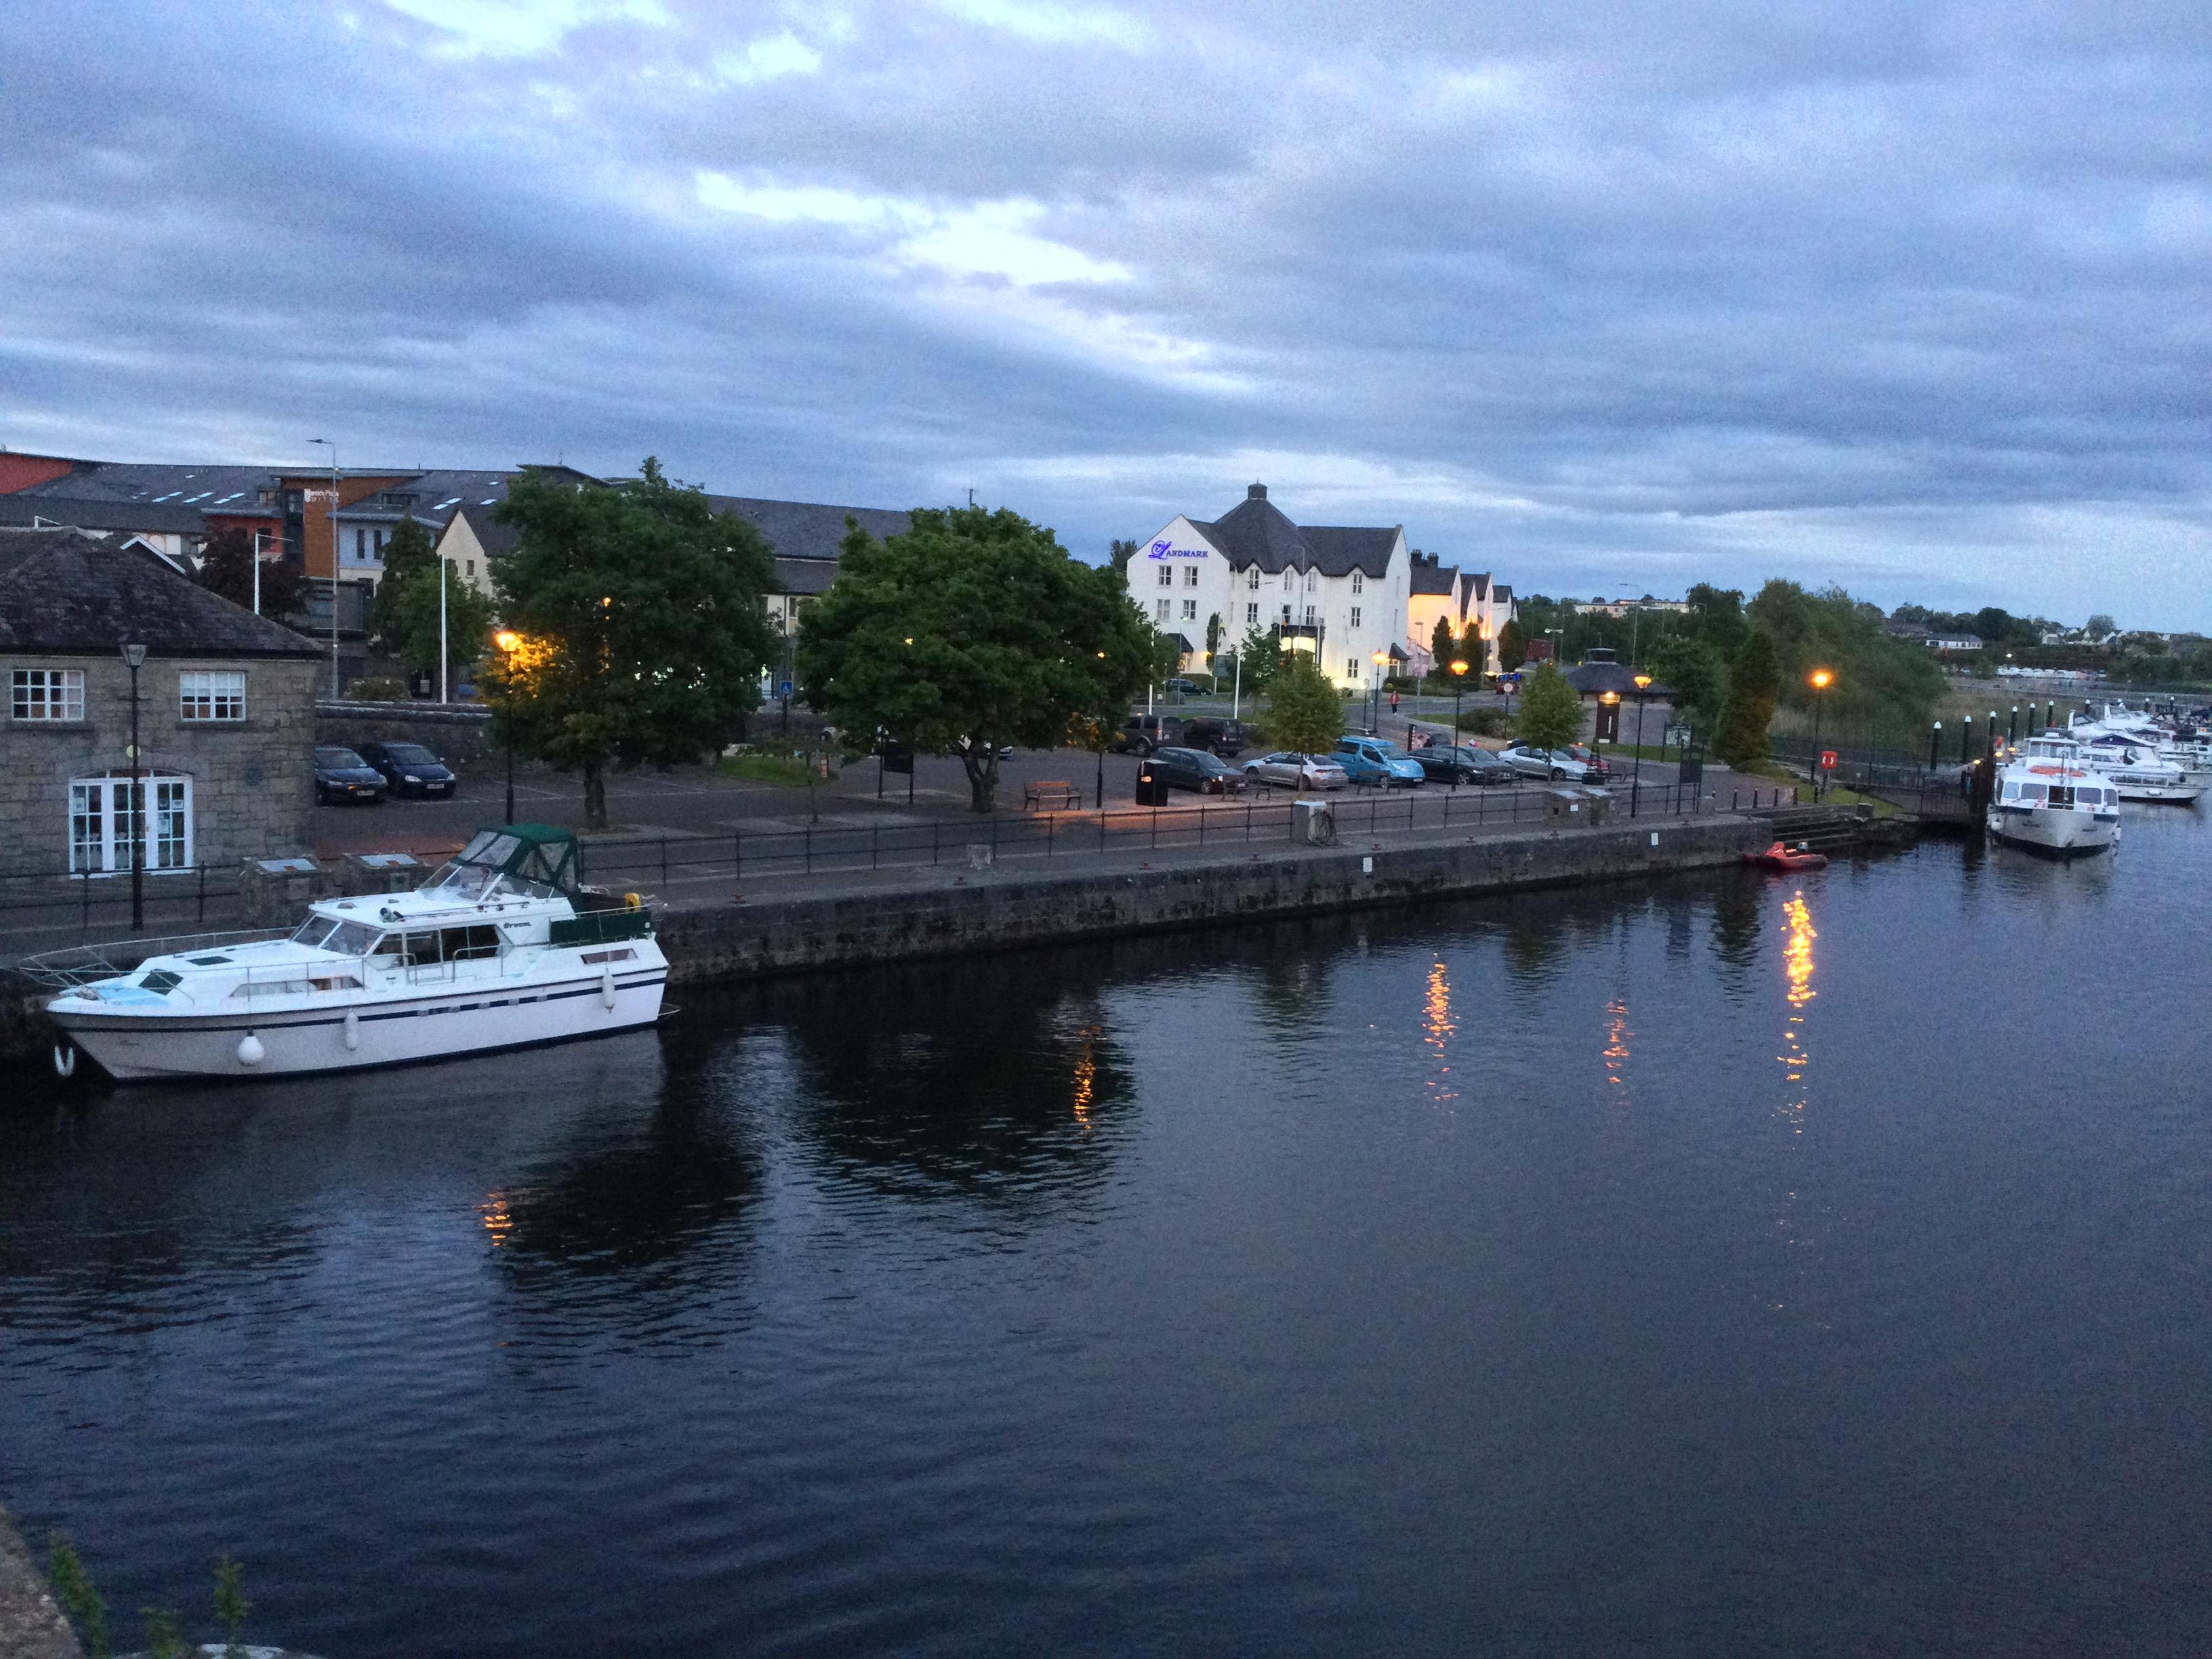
2133	765
2048	799
499	949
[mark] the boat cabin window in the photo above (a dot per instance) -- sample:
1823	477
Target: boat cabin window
314	931
160	981
2061	795
447	944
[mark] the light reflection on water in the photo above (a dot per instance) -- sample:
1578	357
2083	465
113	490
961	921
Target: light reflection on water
1135	1298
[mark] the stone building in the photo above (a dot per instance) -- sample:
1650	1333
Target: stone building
226	715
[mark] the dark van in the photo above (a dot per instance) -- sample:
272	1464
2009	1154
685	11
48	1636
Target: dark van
1215	735
1142	733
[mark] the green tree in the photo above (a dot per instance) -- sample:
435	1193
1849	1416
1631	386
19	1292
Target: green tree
227	567
1694	672
1551	715
1120	553
73	1590
639	609
972	630
1305	714
468	619
1443	646
231	1605
2102	627
408	558
1260	653
1512	646
1754	680
1716	616
1212	635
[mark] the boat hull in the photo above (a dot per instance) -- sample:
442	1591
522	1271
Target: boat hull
2066	832
464	1020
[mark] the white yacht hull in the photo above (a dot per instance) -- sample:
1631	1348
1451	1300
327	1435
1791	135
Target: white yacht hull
457	1019
2054	829
2179	794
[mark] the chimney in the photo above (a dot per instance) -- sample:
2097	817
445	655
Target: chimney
1256	492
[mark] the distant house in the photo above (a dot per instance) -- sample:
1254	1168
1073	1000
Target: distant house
1475	607
225	715
1600	676
1948	643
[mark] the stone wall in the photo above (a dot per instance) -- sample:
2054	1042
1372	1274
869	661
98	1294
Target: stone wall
252	780
453	734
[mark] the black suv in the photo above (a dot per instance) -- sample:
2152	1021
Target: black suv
1194	768
408	768
1223	737
1142	733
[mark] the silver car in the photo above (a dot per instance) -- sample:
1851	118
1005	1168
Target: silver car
1554	763
1297	771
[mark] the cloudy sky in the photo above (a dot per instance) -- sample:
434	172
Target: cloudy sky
1614	296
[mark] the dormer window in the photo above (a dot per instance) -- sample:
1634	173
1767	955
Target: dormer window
1252	579
1357	581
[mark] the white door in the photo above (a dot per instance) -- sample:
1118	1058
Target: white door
105	822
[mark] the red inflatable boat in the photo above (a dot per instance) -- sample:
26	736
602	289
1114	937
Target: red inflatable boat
1779	857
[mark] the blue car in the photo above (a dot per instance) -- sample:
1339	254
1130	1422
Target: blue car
1379	763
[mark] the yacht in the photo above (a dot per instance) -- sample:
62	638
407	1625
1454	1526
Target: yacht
2048	797
500	949
2133	762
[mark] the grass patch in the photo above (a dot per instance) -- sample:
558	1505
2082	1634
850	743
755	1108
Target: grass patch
755	766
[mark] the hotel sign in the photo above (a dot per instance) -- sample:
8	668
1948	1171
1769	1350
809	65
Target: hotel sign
1166	550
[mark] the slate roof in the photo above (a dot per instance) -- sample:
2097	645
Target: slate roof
1474	588
496	539
63	592
1428	578
201	488
433	497
1591	679
809	530
804	576
1256	533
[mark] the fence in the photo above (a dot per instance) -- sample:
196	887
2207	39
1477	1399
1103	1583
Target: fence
102	903
1937	795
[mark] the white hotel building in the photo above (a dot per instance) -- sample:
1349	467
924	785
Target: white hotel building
1340	592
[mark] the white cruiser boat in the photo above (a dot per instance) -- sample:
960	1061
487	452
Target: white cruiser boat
2136	766
498	950
2050	798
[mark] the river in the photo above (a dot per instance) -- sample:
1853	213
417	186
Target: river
1732	1264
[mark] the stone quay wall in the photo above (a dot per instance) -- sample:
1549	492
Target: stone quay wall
451	732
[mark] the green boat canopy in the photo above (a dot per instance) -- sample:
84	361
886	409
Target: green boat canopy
534	852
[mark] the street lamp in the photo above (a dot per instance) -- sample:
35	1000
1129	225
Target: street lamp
333	448
134	657
508	641
1459	685
1375	717
1821	680
1636	780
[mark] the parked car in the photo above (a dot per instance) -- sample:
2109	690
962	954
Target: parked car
1142	733
1181	687
408	768
1194	768
1599	767
1444	764
1297	771
1554	763
341	775
1224	737
1379	762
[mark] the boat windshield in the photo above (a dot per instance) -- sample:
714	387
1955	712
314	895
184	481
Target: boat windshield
347	938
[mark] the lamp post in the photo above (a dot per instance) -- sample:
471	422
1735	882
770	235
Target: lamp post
1636	781
1459	685
1935	738
333	448
1821	679
134	817
507	640
1375	717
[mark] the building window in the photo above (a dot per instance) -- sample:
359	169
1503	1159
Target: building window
48	694
1352	668
104	824
1357	579
1252	579
1160	610
1167	576
211	694
1355	617
1190	610
1310	616
1286	582
1251	616
1190	576
1286	616
1309	581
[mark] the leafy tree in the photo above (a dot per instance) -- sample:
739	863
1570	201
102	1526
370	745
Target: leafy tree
408	558
1122	552
1443	646
1512	646
413	617
1260	653
1754	680
231	1605
1212	635
1696	673
227	567
643	637
73	1589
1304	712
1551	715
972	630
1716	616
2102	627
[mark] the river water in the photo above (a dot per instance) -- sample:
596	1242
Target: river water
1730	1265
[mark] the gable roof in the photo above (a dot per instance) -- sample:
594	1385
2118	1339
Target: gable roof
809	530
1430	579
192	484
1256	533
63	592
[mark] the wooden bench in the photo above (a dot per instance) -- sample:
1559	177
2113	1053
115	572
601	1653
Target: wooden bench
1051	794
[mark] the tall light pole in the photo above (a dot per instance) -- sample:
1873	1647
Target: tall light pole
443	653
134	817
333	448
507	640
1459	685
1374	714
1636	780
1821	679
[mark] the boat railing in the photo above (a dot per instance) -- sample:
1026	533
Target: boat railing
82	964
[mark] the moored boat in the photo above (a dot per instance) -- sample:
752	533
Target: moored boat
2048	798
502	948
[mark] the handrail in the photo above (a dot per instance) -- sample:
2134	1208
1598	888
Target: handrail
80	964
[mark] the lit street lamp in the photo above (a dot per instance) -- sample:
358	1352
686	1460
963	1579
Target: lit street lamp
1635	781
508	640
134	656
1821	680
1459	685
1374	718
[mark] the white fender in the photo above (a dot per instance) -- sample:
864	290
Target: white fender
607	986
352	1030
65	1060
250	1051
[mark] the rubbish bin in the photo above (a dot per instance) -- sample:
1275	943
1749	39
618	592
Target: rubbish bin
1152	789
